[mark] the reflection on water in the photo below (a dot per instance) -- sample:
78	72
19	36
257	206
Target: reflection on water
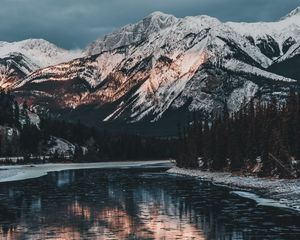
133	204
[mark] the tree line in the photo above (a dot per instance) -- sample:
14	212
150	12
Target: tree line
108	146
20	137
263	137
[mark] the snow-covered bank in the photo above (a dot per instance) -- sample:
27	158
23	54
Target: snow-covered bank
282	193
22	172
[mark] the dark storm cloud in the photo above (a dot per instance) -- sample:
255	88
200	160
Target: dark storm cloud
74	23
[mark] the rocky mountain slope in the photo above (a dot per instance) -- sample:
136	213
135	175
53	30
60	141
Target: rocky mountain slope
164	65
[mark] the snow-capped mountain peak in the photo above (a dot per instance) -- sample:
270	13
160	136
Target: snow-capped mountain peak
18	59
159	14
295	12
41	52
273	38
132	33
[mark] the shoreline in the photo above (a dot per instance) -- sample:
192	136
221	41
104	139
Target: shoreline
282	193
10	173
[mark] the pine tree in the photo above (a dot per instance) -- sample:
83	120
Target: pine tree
270	131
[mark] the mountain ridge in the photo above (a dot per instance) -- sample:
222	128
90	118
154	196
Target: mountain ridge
146	70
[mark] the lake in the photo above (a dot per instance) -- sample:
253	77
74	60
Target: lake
137	203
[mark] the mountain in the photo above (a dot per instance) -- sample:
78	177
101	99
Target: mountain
18	59
13	68
293	13
288	64
273	38
162	68
132	33
40	51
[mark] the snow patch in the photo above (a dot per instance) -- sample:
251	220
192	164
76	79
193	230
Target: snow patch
260	200
61	147
237	97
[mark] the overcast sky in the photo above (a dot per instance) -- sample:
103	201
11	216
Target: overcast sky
74	23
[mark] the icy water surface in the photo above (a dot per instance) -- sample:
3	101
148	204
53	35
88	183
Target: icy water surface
134	204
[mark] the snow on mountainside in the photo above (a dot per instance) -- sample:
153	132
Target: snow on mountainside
41	52
294	13
288	64
159	25
162	64
133	33
273	38
60	146
292	52
18	59
13	68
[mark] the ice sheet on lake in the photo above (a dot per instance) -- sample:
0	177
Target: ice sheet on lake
22	172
